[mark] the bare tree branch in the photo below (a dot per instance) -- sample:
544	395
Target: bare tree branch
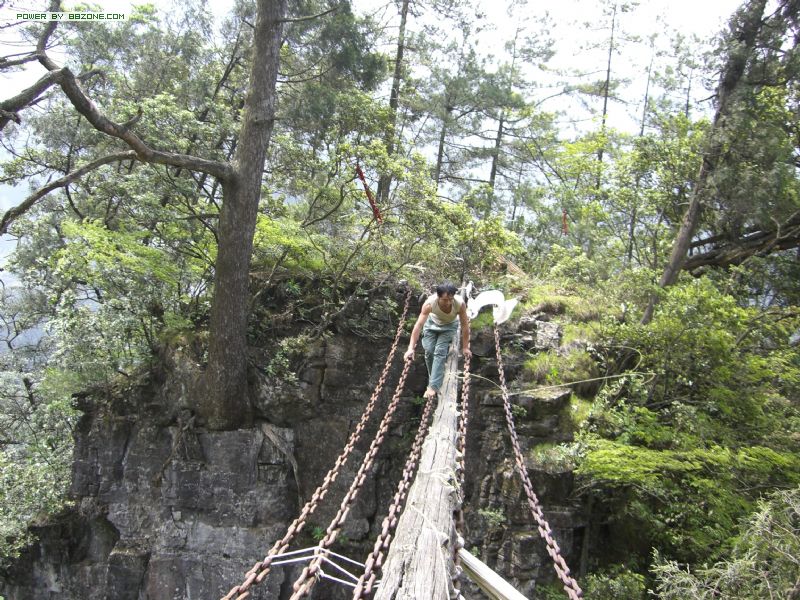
312	17
41	46
784	236
14	213
24	99
10	107
70	84
145	153
7	63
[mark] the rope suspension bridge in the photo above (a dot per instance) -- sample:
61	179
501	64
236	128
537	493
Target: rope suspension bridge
419	550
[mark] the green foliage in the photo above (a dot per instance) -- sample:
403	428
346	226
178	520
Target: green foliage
32	488
686	502
577	412
284	240
494	518
94	251
574	266
717	357
518	411
679	459
35	470
618	583
289	350
317	533
762	564
555	458
122	261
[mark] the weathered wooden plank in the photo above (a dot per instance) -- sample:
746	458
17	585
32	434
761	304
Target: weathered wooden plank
485	578
419	563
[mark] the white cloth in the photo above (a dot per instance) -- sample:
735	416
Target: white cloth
502	307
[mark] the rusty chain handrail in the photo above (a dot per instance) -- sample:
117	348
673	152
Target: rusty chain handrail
375	559
303	584
571	587
261	569
461	457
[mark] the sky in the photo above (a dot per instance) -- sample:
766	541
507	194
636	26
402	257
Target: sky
575	24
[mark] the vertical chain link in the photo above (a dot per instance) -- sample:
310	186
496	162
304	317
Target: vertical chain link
562	570
374	561
307	579
461	457
260	570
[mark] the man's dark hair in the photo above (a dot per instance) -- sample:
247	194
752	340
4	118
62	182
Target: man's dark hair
446	288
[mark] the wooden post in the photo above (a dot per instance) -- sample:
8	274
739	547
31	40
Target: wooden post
420	561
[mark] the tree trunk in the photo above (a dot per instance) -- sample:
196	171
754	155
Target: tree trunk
634	209
225	403
221	398
498	141
747	26
385	180
440	153
606	90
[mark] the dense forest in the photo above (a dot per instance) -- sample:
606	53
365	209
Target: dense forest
177	165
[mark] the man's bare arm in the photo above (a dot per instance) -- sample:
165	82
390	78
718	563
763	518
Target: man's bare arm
423	316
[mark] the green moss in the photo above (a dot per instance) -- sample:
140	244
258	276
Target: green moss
554	458
552	305
553	369
581	304
577	411
585	309
543	367
589	332
578	366
485	320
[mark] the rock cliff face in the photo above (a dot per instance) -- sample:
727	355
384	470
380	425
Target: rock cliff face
164	509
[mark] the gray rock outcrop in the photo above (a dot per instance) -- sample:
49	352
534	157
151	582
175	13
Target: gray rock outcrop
165	509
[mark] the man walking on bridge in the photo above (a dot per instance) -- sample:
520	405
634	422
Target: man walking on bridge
437	321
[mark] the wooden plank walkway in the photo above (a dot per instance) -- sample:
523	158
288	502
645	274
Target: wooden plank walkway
419	561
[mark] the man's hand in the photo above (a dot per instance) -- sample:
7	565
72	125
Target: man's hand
467	353
409	354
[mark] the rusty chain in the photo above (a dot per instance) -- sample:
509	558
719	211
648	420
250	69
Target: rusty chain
260	570
562	570
461	457
303	584
375	559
